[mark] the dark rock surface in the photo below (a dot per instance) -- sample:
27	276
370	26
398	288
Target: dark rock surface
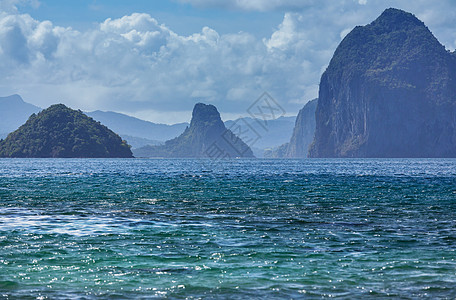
389	91
303	135
207	137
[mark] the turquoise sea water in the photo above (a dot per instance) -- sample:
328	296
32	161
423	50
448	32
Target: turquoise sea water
227	229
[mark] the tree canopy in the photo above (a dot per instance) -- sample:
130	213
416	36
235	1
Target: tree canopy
63	132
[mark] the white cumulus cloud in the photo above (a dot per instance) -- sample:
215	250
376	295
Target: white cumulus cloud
137	65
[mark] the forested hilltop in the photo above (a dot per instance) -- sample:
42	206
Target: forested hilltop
63	132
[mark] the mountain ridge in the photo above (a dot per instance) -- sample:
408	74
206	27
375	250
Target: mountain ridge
139	133
132	126
14	111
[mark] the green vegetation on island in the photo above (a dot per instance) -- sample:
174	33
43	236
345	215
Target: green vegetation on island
63	132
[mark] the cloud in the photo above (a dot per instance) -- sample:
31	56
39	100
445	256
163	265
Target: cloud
253	5
12	5
268	5
285	35
137	65
14	43
130	64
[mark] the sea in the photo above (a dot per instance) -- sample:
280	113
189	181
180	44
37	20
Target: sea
227	229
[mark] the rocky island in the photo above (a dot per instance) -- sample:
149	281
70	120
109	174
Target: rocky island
63	132
206	137
389	91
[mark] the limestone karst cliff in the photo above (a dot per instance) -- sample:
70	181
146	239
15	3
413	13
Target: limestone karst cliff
206	136
389	91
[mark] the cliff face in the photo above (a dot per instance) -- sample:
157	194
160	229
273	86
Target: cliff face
304	131
207	136
63	132
303	135
389	91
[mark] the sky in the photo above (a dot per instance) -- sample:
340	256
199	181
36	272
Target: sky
154	59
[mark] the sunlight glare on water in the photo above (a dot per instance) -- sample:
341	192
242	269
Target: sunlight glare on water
99	228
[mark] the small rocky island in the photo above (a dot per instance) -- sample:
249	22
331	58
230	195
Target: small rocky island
61	132
207	137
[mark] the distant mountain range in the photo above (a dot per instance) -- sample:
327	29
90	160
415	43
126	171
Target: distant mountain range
138	133
133	129
262	135
13	113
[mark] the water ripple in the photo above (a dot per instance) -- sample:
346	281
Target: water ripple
227	229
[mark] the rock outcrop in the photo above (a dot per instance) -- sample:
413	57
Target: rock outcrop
389	91
303	135
207	137
63	132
